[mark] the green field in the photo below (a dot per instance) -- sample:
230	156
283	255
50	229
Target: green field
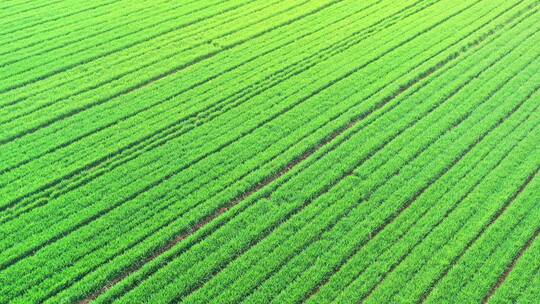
250	151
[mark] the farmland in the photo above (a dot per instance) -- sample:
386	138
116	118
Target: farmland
249	151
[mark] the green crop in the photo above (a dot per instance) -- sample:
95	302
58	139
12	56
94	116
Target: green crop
250	151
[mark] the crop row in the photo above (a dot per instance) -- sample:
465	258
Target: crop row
521	282
269	258
30	222
66	84
450	189
248	228
279	186
116	103
200	48
481	266
133	36
38	15
344	247
137	121
185	272
521	275
74	30
39	139
182	36
395	255
37	44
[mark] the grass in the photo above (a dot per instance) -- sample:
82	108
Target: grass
269	151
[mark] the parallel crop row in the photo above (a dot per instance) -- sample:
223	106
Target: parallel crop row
239	238
94	235
249	151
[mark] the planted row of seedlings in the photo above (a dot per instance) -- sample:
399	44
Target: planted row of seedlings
198	268
38	15
121	117
50	41
154	29
49	129
72	28
519	277
151	37
370	276
187	33
163	197
16	8
190	83
451	187
325	268
266	262
495	249
64	83
35	167
156	50
242	238
461	242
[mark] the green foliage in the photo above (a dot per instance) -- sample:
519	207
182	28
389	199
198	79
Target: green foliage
269	151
